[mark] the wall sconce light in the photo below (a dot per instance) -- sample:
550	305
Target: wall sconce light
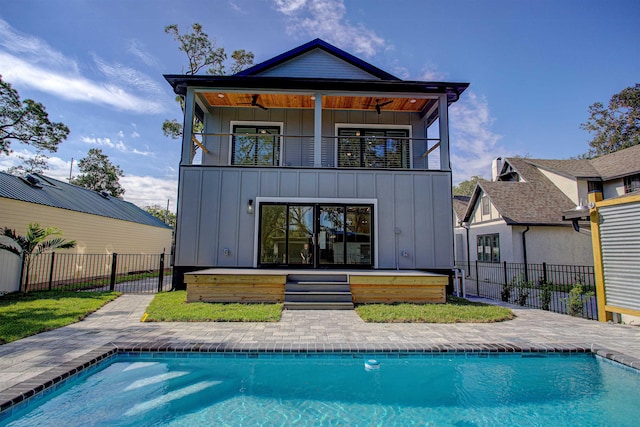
250	206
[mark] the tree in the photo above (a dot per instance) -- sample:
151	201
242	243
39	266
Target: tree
37	241
202	53
26	122
616	126
465	188
162	214
34	164
99	174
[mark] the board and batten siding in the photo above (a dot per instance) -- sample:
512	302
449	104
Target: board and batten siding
297	146
213	214
318	64
620	246
94	234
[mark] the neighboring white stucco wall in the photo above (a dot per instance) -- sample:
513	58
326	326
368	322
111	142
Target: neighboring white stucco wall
567	185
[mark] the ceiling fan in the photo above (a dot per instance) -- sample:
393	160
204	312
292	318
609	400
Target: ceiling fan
378	106
254	102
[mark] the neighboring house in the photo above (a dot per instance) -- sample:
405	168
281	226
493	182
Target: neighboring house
99	223
532	208
311	160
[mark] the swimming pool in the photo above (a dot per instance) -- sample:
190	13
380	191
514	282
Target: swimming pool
466	389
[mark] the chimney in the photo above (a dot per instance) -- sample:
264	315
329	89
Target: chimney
496	166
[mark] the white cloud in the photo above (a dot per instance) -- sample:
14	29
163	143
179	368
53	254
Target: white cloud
31	62
58	168
140	190
430	73
135	134
105	142
327	19
121	134
136	48
473	144
147	190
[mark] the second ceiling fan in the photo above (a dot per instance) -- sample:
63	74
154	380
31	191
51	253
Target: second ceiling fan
378	105
254	102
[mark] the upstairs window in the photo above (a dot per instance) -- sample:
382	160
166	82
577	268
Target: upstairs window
486	206
255	145
631	183
373	148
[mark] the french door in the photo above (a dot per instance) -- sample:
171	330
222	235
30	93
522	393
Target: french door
315	235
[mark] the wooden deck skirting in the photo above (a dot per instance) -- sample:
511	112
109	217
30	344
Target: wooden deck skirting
243	288
268	286
399	289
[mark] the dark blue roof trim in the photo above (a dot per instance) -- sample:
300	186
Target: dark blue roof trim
59	194
317	43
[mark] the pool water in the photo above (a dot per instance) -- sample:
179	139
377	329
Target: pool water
339	390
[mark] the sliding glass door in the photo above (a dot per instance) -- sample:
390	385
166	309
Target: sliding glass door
315	235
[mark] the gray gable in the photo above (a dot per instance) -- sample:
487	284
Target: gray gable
318	63
59	194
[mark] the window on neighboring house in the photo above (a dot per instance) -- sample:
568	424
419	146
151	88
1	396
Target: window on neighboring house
486	206
594	186
631	183
373	148
489	248
255	145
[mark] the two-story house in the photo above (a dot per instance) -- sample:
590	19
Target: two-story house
531	209
314	160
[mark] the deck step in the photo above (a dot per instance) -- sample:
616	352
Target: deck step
317	287
329	297
294	305
324	291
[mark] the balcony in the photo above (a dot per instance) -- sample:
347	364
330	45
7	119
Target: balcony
298	151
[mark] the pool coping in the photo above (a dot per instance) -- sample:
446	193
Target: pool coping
33	387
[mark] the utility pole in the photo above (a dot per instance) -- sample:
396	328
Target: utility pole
71	171
166	213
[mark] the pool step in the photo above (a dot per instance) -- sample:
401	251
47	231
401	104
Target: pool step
318	292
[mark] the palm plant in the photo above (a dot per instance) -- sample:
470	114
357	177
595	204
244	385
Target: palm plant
37	241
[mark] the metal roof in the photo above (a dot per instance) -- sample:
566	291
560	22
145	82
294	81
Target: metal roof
58	194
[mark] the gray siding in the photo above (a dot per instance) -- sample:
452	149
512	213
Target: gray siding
213	213
320	64
620	240
298	148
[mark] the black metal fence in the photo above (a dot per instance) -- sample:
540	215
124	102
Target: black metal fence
129	273
567	289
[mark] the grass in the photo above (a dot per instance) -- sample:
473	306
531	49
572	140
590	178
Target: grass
456	310
173	307
22	315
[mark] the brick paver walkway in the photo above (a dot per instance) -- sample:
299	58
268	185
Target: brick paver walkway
27	364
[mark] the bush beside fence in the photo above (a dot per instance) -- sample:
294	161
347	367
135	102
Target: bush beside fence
543	286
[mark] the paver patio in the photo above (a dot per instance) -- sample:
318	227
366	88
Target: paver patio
26	365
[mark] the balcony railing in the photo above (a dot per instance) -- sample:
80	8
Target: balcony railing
282	150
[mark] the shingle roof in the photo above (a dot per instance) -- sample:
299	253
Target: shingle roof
621	163
59	194
609	166
460	204
534	202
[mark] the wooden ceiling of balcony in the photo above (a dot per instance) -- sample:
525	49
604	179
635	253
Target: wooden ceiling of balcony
271	100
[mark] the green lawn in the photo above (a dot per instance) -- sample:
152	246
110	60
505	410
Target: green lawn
456	310
172	307
22	315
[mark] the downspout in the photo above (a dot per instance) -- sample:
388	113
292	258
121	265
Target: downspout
468	251
524	253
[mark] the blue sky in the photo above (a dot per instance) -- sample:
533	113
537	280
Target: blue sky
534	68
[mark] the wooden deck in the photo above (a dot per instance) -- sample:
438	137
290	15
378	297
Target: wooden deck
268	286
